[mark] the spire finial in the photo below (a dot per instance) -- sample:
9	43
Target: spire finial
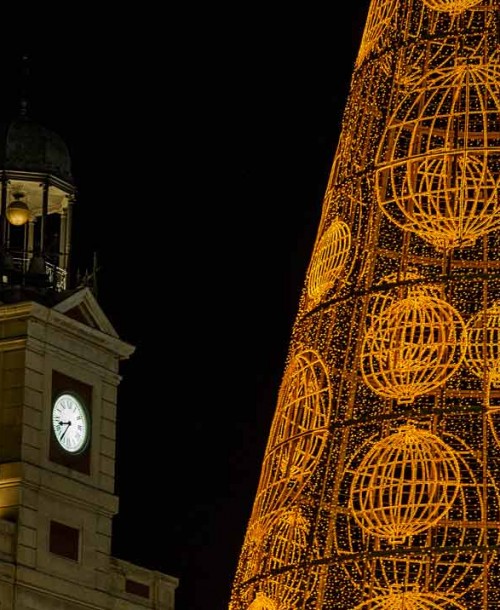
23	111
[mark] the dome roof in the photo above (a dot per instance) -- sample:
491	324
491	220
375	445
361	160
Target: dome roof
29	147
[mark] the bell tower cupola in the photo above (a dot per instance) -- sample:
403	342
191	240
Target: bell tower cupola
36	197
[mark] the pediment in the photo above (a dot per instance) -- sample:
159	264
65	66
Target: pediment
83	307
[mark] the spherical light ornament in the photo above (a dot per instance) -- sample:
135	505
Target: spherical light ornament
412	347
437	164
18	211
454	7
298	433
409	601
457	562
249	563
329	259
450	213
406	483
483	344
287	549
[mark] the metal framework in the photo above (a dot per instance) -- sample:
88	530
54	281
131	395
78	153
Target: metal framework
380	483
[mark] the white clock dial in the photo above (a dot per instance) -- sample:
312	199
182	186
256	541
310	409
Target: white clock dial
70	423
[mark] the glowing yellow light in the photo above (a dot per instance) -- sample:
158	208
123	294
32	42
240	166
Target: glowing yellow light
405	484
17	211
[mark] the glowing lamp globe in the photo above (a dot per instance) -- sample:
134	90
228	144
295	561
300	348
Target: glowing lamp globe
17	211
437	164
412	347
405	484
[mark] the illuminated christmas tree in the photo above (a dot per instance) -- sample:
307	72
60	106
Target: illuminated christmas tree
380	483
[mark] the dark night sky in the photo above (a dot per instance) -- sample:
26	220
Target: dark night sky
201	146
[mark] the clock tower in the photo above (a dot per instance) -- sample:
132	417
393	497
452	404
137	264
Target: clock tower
59	376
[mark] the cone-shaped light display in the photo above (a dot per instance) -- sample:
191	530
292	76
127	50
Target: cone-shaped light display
379	486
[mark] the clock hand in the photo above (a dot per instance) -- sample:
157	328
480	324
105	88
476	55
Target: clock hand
68	425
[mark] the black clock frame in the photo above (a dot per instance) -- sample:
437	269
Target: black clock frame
63	384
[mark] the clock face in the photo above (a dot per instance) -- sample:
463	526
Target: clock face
70	423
